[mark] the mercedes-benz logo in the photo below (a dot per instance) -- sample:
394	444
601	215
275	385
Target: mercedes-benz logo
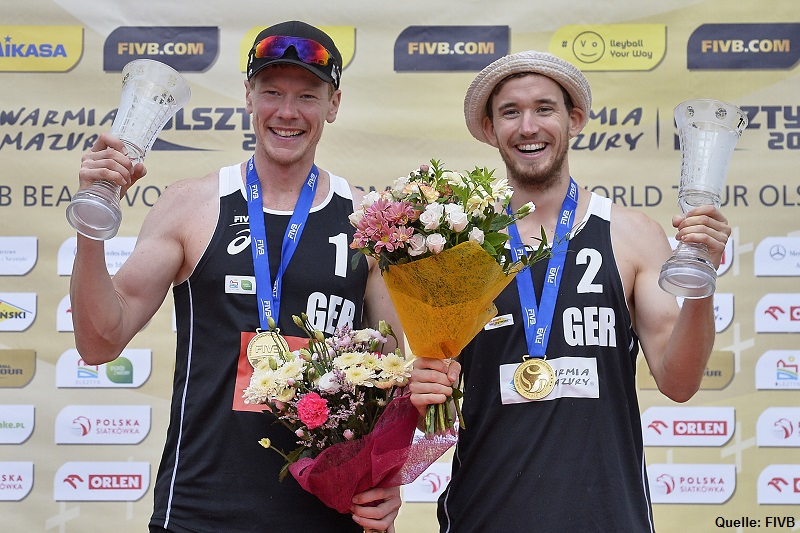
777	252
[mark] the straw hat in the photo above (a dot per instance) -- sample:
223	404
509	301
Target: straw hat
562	72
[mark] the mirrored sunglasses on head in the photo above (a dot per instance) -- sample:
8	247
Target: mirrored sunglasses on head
308	51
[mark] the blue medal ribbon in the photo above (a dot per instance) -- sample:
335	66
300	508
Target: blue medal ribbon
538	320
267	291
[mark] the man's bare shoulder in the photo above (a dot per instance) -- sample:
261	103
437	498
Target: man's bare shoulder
188	190
635	234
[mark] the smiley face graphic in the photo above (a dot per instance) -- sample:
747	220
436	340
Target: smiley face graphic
589	47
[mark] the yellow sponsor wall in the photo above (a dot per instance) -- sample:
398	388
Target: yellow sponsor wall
57	94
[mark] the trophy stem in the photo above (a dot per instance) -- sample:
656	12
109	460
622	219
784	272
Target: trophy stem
689	273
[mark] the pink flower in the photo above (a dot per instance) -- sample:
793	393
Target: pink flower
348	434
312	410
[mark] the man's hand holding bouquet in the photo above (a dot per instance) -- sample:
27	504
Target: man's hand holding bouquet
339	396
439	237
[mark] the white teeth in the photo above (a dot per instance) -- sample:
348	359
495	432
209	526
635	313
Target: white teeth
286	133
531	147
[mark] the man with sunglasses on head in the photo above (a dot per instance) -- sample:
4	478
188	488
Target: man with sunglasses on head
229	277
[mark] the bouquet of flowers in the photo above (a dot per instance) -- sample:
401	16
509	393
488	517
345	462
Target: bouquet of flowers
339	395
439	238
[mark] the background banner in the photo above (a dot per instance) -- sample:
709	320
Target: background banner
80	444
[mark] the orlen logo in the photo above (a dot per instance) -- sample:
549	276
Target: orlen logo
449	48
778	313
700	427
115	482
779	484
40	48
101	481
744	46
184	48
688	426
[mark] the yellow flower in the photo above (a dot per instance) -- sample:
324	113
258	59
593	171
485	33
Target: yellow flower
394	364
290	369
371	360
286	394
348	359
358	375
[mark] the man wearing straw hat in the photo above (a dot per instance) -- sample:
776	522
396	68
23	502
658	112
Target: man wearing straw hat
200	238
553	438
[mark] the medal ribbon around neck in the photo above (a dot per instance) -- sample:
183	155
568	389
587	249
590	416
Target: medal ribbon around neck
537	321
267	292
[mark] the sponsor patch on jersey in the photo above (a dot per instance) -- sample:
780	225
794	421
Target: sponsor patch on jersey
576	377
240	284
500	322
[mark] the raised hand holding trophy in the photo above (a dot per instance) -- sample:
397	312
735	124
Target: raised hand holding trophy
708	131
152	93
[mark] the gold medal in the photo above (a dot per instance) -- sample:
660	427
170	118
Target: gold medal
534	378
265	344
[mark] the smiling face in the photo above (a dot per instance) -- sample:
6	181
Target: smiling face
289	107
589	47
531	126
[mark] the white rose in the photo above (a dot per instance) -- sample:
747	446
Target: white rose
435	242
327	383
355	217
453	178
476	235
399	187
370	198
456	217
416	245
432	216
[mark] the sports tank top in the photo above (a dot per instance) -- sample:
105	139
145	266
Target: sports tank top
214	476
571	462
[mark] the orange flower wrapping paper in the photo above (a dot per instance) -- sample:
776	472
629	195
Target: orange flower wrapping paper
443	301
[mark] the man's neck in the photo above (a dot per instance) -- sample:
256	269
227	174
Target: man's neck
281	184
548	201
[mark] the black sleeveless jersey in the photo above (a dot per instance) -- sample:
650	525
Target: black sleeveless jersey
214	475
573	461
